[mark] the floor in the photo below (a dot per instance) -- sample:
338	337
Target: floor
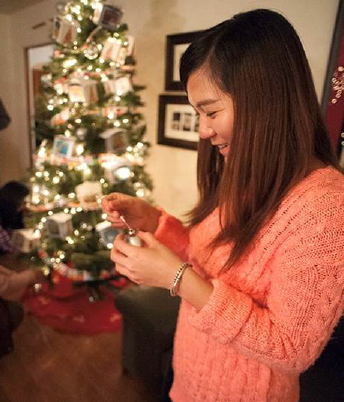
47	366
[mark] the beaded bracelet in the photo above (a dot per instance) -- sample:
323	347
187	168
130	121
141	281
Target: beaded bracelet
176	281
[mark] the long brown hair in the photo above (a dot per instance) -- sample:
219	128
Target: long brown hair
257	58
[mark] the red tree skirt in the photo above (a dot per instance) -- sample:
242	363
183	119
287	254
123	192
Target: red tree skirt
67	308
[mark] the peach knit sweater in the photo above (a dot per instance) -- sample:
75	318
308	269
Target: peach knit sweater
269	317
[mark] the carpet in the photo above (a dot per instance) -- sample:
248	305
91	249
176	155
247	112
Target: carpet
67	308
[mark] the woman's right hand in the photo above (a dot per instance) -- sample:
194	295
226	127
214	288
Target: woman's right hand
138	213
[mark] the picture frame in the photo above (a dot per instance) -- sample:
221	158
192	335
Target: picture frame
63	146
178	122
176	45
107	16
332	103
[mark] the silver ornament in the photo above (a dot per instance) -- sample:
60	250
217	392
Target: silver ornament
91	51
132	239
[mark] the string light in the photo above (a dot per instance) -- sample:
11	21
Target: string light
79	149
69	240
69	62
140	193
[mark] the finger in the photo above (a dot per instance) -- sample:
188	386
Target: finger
122	270
118	257
111	196
115	221
122	246
148	238
117	201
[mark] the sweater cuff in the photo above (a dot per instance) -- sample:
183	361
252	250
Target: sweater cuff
224	314
172	233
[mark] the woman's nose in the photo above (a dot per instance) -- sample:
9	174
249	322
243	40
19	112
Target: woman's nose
205	131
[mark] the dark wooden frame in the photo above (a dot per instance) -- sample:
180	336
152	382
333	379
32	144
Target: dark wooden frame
163	139
338	29
171	42
28	102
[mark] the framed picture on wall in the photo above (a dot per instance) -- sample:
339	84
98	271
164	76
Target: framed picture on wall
175	46
178	122
333	97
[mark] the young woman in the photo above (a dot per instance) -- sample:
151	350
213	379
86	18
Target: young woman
260	267
12	204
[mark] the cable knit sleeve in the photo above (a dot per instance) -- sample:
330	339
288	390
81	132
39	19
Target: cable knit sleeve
173	234
305	296
6	244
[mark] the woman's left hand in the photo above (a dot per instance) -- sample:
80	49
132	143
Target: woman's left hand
153	264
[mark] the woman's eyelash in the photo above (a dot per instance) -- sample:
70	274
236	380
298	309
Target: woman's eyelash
210	114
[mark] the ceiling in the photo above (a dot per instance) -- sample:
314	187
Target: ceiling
10	6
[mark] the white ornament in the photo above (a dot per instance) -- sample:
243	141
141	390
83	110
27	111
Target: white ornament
111	49
83	90
25	240
107	16
59	225
89	193
117	168
64	30
116	140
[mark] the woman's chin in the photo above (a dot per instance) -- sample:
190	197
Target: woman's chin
224	151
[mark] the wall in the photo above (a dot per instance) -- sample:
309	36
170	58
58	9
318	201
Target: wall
172	169
8	169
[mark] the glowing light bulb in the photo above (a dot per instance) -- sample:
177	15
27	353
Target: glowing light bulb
79	149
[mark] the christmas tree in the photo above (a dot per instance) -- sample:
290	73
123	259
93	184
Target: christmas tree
90	141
